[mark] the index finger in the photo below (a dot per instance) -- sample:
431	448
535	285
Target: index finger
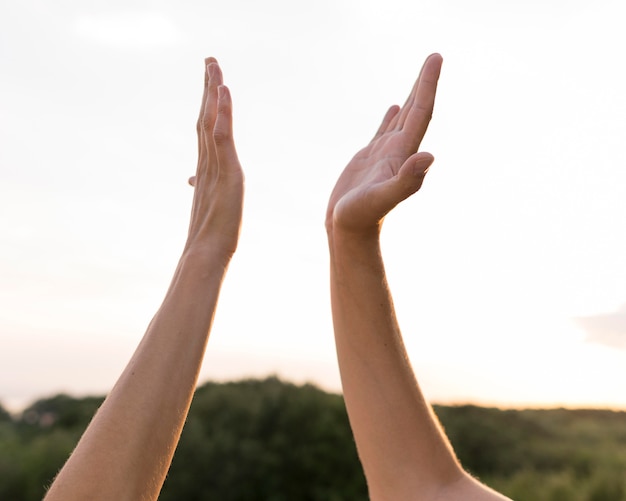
207	61
421	109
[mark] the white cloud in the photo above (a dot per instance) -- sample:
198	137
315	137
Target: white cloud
129	30
608	329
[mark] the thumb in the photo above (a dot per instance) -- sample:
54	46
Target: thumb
411	175
407	181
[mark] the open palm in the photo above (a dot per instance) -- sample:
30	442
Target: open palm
389	169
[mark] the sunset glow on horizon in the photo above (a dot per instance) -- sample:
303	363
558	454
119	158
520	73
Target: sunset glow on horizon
508	269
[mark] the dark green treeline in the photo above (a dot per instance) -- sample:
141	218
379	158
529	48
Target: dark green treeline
272	441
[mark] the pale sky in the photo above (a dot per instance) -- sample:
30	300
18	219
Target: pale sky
508	269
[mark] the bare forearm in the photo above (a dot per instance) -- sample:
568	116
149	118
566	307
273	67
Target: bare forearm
405	454
127	449
398	437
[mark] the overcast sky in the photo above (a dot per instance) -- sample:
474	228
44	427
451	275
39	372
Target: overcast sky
508	269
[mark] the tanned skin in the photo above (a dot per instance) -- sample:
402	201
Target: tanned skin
404	451
125	453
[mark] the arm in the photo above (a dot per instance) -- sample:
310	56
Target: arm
126	450
404	451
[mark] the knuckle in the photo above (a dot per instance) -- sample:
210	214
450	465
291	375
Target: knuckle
206	123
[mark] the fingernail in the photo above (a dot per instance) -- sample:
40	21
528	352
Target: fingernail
422	164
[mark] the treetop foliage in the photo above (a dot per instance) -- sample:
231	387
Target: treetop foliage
272	440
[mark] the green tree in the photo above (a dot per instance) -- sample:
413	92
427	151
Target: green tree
5	417
271	440
266	440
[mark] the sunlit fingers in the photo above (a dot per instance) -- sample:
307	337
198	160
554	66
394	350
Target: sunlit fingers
400	118
421	109
207	61
208	122
210	106
223	135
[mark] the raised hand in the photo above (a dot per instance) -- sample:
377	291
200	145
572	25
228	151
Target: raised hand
404	452
126	451
389	169
219	181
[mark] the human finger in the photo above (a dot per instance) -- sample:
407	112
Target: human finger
210	107
207	61
192	181
421	109
399	119
389	116
223	131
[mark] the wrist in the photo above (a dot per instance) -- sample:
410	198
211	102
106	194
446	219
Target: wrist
354	250
351	239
